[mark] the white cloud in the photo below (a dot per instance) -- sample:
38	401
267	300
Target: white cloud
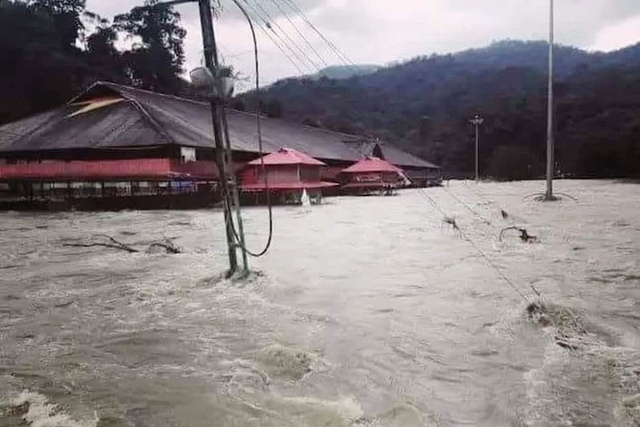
618	35
379	31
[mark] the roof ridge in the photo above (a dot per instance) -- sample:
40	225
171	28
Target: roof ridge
119	87
145	113
164	95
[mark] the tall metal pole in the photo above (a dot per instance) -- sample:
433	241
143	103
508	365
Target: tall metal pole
477	153
211	62
550	126
477	121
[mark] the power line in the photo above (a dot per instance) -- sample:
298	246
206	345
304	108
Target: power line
469	208
332	46
270	23
273	21
277	39
295	27
481	252
260	145
278	44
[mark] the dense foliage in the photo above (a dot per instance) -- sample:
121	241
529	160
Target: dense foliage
52	49
425	105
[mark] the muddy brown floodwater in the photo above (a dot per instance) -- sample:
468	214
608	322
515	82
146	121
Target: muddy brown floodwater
366	312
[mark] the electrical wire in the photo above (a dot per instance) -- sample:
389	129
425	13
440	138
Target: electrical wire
266	19
271	20
332	46
300	33
278	42
260	145
486	257
469	208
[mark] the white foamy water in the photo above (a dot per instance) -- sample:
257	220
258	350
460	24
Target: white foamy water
366	311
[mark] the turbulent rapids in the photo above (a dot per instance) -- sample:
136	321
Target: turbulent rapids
367	312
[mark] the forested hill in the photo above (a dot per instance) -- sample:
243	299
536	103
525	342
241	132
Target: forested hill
424	105
52	49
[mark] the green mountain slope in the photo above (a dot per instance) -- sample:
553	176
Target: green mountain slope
424	105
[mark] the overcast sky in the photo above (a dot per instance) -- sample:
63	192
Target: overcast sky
382	31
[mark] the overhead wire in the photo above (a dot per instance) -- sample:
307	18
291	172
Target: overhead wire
280	33
273	22
260	145
344	58
469	208
486	257
277	41
300	33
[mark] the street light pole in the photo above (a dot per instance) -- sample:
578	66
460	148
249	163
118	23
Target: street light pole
477	121
550	113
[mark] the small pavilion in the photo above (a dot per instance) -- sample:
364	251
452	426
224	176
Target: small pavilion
372	175
290	175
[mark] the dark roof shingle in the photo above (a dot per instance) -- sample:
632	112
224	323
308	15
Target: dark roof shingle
145	118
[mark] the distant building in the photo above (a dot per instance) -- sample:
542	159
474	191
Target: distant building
288	174
115	146
372	176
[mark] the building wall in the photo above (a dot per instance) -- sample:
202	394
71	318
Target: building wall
367	177
281	174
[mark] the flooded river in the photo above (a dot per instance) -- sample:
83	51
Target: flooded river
366	312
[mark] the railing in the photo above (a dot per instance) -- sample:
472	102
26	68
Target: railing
109	170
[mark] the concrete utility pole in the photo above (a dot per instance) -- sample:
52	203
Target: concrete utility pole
550	126
477	122
211	62
223	159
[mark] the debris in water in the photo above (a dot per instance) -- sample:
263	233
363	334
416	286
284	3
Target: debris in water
504	213
105	241
167	245
525	237
570	329
109	243
452	222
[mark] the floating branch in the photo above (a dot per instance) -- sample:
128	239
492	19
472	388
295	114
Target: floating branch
167	245
112	243
524	235
452	222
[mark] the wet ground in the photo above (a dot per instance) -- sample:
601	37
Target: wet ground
366	312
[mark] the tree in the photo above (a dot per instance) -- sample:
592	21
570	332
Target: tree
52	49
38	72
66	15
272	108
513	162
598	105
103	58
156	62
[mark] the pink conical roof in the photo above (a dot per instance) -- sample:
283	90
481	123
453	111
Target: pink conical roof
372	164
287	156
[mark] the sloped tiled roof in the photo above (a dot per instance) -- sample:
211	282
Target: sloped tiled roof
371	164
287	156
117	125
146	119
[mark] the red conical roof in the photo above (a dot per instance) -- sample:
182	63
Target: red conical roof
287	156
372	164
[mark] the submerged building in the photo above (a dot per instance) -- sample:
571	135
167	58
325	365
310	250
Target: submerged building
286	175
115	146
372	175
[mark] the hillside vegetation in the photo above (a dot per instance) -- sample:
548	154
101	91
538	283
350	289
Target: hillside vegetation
425	104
